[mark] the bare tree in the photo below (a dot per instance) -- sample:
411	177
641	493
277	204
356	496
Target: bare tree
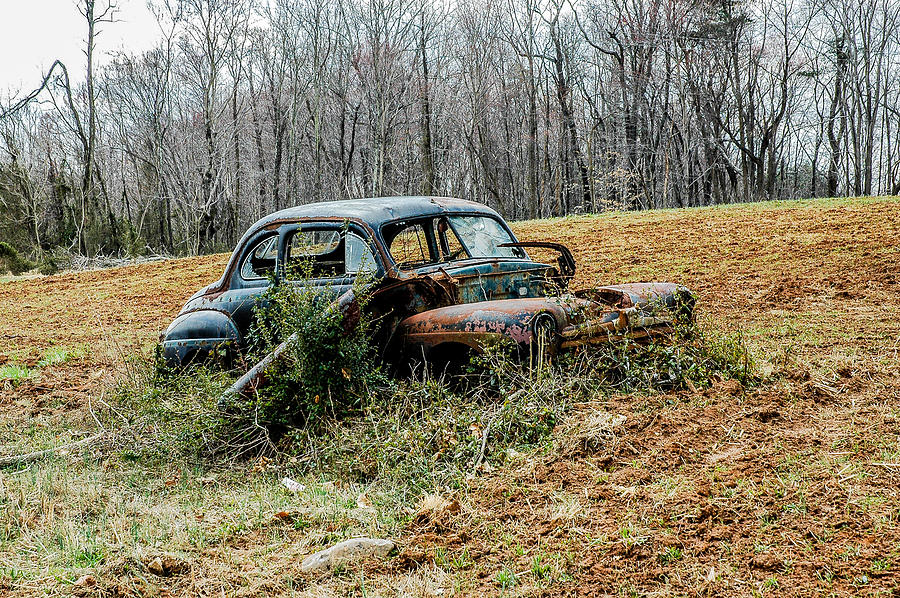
537	107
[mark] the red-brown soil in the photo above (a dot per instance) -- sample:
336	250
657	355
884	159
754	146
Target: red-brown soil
787	489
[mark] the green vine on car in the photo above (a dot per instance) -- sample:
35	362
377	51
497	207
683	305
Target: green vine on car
330	367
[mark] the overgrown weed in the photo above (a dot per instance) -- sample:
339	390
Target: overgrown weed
693	356
329	368
175	415
329	411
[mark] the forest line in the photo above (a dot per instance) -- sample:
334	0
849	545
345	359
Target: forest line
535	107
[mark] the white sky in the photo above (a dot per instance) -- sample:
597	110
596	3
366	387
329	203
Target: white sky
34	33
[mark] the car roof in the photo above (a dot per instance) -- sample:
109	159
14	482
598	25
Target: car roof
375	211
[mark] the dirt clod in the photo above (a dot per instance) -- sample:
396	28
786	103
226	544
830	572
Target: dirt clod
765	562
164	566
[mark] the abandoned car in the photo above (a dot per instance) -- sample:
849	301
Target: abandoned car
446	276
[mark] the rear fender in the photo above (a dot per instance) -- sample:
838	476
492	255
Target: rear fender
197	335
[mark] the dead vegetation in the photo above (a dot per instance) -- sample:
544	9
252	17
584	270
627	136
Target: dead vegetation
587	430
784	488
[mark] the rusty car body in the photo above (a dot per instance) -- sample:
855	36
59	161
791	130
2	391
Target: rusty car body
446	277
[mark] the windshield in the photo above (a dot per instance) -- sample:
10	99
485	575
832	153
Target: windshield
483	236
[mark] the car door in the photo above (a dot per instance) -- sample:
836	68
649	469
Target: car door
328	255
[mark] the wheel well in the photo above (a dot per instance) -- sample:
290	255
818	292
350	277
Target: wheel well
450	352
449	358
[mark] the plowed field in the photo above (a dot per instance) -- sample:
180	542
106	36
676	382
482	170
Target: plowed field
792	488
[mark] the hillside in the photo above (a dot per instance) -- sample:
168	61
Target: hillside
790	488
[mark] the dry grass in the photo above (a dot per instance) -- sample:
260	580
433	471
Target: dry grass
589	429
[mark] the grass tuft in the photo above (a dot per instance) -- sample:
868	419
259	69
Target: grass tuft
15	374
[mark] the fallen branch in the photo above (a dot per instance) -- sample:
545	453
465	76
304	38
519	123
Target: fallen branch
29	457
255	377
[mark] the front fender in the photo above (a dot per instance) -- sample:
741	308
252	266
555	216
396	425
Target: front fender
195	335
474	324
608	314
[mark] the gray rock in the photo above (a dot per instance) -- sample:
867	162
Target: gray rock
354	549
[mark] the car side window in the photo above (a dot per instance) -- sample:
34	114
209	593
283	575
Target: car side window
314	254
358	256
409	247
328	253
260	260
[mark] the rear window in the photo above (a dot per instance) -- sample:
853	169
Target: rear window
260	260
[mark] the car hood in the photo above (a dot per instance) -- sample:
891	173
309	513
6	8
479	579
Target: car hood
480	280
